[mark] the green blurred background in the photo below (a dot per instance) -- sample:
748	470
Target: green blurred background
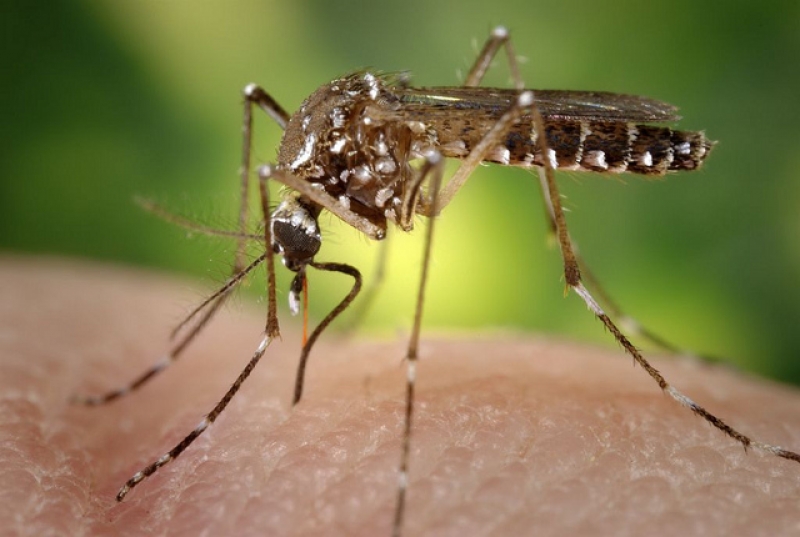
103	101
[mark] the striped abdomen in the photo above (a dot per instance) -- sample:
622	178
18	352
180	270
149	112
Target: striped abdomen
598	146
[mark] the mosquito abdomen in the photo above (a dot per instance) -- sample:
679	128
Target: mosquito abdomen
596	146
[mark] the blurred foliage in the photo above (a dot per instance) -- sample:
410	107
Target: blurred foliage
102	101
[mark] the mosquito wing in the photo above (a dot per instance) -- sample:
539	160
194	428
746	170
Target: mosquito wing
552	104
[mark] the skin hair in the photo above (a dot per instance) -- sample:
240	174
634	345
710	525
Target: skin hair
513	434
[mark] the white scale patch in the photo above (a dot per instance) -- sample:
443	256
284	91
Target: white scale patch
362	173
301	219
500	32
585	132
501	155
294	303
337	118
250	89
669	158
386	166
372	82
589	300
381	148
417	127
596	159
383	195
683	148
338	145
551	156
263	345
305	153
456	147
202	426
701	149
646	159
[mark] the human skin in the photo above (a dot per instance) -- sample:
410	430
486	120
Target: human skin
513	434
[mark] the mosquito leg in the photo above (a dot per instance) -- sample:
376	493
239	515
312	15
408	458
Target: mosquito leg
252	95
487	144
172	454
434	167
271	331
255	94
210	305
223	291
323	199
572	275
630	324
497	39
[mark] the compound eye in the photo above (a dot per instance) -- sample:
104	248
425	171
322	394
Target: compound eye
294	241
295	234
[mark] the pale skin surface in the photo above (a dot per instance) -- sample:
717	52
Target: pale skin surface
514	435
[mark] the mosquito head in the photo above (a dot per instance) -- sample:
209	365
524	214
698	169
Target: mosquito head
295	233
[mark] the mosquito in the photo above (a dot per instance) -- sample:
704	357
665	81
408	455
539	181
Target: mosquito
370	149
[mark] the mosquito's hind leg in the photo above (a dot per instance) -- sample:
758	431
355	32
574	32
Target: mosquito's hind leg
497	39
573	278
627	322
500	37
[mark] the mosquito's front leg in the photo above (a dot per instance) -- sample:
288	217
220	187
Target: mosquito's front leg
323	199
271	331
253	94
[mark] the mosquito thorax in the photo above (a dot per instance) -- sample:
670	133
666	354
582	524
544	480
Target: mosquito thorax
347	139
295	233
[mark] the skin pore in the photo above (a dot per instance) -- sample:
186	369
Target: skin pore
513	434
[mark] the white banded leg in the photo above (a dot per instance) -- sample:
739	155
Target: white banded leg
434	167
271	331
627	322
209	418
253	95
573	279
